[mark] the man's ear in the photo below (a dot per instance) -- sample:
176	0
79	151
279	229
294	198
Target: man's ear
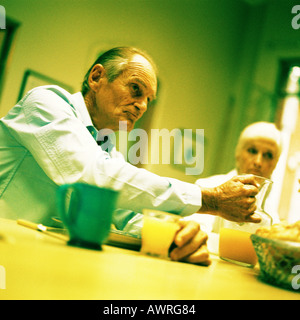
97	73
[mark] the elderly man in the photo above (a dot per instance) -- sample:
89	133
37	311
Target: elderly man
46	141
257	152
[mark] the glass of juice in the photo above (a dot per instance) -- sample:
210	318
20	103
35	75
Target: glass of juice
158	232
235	244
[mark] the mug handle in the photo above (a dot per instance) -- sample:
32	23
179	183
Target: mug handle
69	215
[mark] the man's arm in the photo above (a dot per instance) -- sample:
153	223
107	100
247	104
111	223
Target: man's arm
47	124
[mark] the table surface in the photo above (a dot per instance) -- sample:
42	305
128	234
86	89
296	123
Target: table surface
38	266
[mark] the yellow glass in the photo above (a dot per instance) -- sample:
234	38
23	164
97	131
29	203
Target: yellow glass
236	245
158	232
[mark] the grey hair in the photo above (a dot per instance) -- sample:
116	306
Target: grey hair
115	61
260	130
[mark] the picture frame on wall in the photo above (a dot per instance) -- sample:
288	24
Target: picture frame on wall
32	79
8	32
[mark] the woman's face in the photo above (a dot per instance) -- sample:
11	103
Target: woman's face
258	157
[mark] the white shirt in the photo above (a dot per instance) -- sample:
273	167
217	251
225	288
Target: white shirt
44	143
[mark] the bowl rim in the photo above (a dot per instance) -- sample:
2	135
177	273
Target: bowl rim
280	243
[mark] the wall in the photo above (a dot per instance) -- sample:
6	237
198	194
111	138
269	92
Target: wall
281	41
196	44
276	41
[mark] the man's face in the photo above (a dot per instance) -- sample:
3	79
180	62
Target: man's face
258	157
126	98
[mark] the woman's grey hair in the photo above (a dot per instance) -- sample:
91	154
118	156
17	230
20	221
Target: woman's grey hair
115	61
259	130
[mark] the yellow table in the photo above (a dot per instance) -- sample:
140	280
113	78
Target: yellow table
38	266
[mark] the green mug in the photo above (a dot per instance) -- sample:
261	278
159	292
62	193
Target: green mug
86	210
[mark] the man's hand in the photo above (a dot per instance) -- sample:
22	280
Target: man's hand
190	244
234	200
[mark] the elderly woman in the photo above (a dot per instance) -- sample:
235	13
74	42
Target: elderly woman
257	152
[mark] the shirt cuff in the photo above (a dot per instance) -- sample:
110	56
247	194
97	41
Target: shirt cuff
192	196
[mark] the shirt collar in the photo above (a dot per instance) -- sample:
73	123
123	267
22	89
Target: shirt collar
80	106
